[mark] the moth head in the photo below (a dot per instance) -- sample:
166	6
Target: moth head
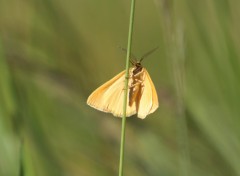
138	64
135	62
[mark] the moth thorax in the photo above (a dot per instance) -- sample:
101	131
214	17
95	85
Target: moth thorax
137	69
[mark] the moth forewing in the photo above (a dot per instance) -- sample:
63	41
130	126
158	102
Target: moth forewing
148	102
97	97
154	95
109	97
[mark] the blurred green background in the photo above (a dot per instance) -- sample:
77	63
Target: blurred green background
54	53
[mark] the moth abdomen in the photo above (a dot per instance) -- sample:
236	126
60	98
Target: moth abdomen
136	85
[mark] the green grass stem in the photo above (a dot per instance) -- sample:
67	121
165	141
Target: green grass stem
126	89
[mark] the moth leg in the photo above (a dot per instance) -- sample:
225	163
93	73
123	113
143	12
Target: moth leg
137	74
128	77
139	82
142	84
143	79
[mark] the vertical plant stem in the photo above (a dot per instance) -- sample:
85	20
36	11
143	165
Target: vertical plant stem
126	89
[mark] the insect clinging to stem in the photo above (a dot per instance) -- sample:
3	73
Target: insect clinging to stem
142	97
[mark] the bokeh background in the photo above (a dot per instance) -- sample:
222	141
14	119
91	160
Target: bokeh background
54	53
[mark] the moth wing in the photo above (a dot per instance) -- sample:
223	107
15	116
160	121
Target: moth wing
155	103
109	97
148	102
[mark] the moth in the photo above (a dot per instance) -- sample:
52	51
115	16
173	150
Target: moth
142	96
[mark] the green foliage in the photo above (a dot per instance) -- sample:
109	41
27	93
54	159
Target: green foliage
53	54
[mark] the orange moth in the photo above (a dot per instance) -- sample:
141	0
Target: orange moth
142	96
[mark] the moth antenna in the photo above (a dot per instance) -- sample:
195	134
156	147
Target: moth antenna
148	53
133	59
